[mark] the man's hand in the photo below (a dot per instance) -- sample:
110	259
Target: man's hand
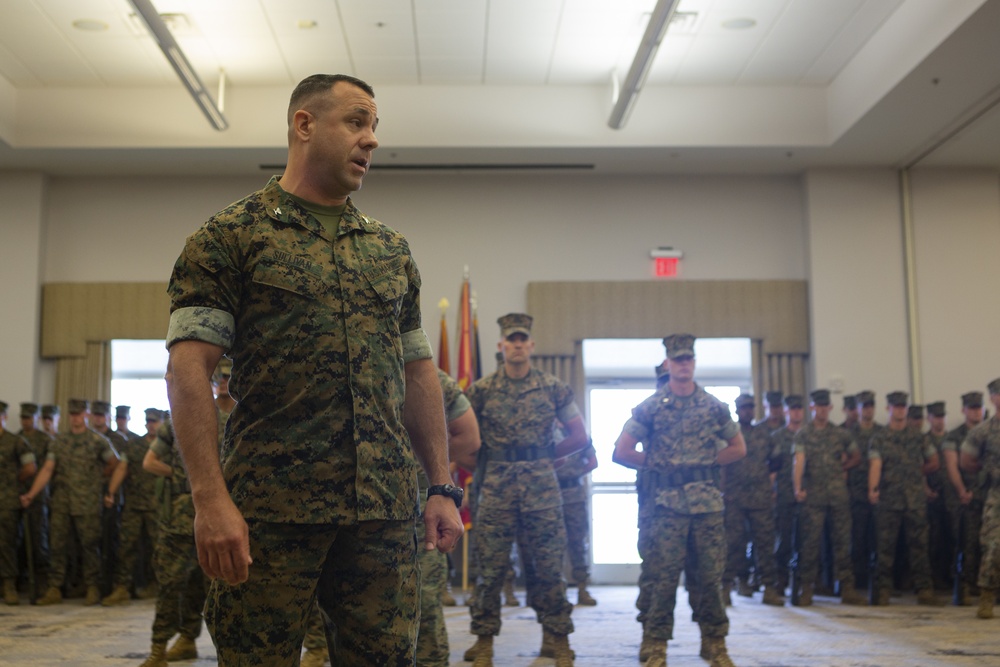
800	496
442	523
873	496
223	541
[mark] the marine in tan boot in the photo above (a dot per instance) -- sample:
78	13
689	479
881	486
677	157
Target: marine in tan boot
52	596
987	598
482	651
717	653
657	654
584	597
157	656
548	649
119	595
646	647
773	596
509	599
849	594
183	649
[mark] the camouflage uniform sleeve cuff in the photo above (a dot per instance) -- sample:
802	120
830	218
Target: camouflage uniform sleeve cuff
159	448
458	408
970	449
416	346
208	325
27	458
636	430
568	413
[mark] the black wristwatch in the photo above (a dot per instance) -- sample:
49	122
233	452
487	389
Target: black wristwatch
450	490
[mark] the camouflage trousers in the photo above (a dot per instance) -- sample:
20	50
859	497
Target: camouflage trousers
541	539
678	541
134	522
939	535
9	522
784	544
811	521
181	597
966	524
989	570
577	541
914	523
744	525
364	576
61	529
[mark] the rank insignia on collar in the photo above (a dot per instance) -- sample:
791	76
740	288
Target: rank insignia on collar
277	211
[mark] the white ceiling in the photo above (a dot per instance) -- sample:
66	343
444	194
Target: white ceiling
526	83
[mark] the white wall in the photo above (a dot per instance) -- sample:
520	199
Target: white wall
839	229
22	221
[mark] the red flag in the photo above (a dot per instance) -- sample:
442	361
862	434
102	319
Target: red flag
444	356
464	371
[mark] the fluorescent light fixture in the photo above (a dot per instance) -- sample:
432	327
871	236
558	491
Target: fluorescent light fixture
659	20
165	40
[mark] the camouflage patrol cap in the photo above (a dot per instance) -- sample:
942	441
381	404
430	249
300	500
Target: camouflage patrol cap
78	405
850	402
897	398
915	412
513	323
936	409
122	411
745	401
972	399
154	414
29	409
794	402
661	370
3	408
223	369
679	345
100	408
820	397
994	387
50	411
774	398
865	398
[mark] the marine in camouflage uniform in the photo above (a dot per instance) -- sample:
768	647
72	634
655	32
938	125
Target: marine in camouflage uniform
37	515
980	454
140	514
862	525
898	460
686	435
17	466
749	501
77	463
517	408
318	307
938	528
572	471
110	515
964	496
823	453
785	505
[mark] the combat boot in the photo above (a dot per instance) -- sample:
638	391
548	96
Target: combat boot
149	592
482	651
718	655
93	596
743	588
10	593
773	596
52	596
646	647
987	597
509	599
806	596
564	655
447	599
119	595
849	594
657	653
584	597
926	596
483	643
157	656
315	657
183	649
882	599
548	649
704	653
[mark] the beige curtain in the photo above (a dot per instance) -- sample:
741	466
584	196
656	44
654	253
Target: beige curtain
87	377
566	367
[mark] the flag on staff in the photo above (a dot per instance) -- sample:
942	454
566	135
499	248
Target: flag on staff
444	361
463	374
477	361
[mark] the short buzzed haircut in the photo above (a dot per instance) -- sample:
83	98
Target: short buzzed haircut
310	92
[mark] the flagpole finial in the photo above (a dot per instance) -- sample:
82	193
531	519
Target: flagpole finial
465	272
443	305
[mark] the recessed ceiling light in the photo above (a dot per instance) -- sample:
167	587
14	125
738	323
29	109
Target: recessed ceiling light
307	24
739	24
90	25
